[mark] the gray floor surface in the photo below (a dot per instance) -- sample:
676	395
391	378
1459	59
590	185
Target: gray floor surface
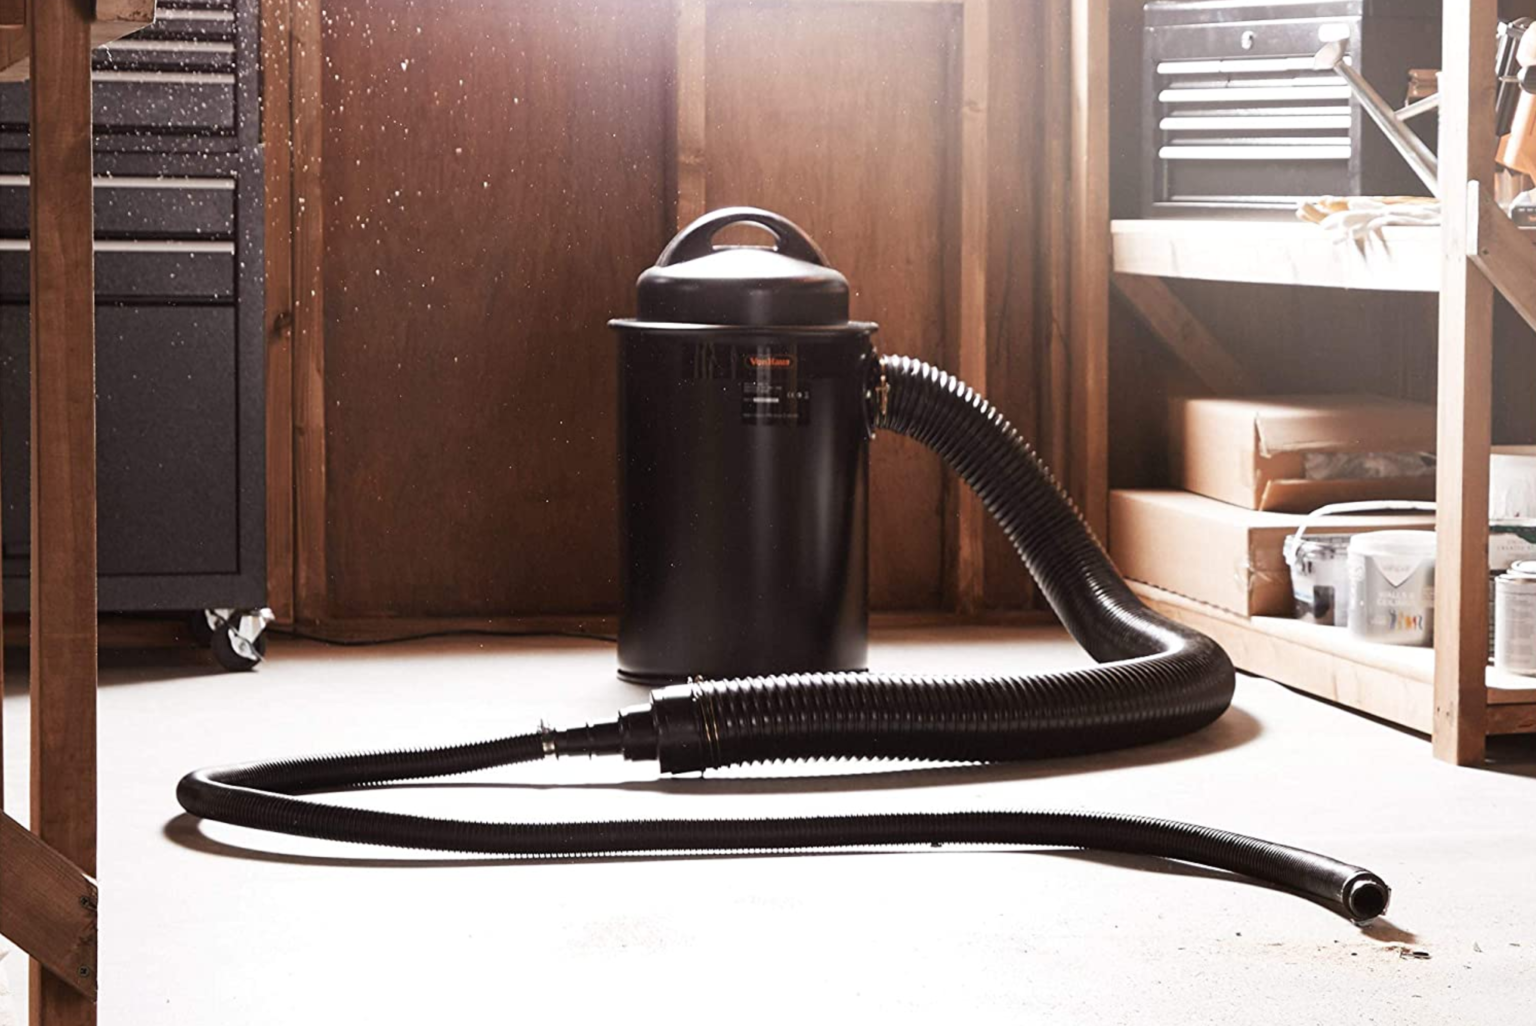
205	924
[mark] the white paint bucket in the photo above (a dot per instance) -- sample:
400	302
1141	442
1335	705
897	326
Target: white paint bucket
1392	587
1319	563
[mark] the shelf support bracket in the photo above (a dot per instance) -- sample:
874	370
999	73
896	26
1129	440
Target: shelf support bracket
48	907
1505	255
1184	335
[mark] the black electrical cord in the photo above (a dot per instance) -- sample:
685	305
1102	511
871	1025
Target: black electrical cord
1156	679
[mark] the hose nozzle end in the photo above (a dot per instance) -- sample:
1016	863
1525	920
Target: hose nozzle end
1366	897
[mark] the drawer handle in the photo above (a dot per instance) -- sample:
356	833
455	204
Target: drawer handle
134	246
164	77
183	14
1254	123
136	182
168	46
1236	66
1255	94
1254	153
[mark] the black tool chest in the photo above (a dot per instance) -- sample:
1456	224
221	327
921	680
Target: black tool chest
179	318
1237	119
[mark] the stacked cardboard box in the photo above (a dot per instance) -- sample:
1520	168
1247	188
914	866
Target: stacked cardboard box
1218	553
1249	470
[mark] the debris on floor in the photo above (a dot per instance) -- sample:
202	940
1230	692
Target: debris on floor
1404	951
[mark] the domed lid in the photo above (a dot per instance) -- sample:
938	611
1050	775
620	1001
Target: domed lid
697	282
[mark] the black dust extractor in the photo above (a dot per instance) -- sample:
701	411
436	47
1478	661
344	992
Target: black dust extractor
747	403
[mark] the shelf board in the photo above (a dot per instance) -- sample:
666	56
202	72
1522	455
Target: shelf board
113	20
1391	682
1406	258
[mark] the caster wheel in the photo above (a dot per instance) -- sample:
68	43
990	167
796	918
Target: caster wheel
200	629
237	655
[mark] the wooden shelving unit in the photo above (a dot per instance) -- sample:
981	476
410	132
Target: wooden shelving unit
1390	682
1448	692
48	895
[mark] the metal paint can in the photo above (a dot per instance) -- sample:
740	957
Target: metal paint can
1392	587
1514	620
1319	577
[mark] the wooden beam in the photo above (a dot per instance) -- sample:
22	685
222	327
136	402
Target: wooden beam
1511	719
48	907
63	358
276	131
1090	264
1505	254
15	46
1054	199
689	198
1377	690
1177	328
1392	682
310	593
140	12
970	570
13	13
1465	390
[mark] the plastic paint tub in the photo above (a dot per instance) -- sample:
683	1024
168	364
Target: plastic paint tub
1319	563
1514	620
1319	577
1392	587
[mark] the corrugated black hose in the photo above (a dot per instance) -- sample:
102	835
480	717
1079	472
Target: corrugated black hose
1155	680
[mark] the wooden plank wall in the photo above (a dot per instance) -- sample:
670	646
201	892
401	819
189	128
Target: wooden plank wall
866	176
490	183
493	182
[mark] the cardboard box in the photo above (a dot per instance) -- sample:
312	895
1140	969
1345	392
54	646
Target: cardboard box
1253	451
1218	553
1510	541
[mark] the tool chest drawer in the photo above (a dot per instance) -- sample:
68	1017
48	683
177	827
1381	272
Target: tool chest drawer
130	206
1237	118
137	270
126	102
189	75
180	319
166	438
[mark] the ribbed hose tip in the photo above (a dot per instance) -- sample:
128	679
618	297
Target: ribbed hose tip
1366	897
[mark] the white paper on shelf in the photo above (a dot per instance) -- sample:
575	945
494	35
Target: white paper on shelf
8	1016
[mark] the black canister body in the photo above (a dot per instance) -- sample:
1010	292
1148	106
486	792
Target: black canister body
744	467
744	461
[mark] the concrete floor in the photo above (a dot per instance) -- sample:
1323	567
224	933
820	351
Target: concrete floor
205	924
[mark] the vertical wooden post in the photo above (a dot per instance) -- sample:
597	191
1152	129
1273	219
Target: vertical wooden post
63	312
309	497
689	197
1089	324
1055	112
1465	389
970	577
276	128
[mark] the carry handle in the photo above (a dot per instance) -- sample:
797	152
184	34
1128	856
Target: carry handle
1366	506
698	239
